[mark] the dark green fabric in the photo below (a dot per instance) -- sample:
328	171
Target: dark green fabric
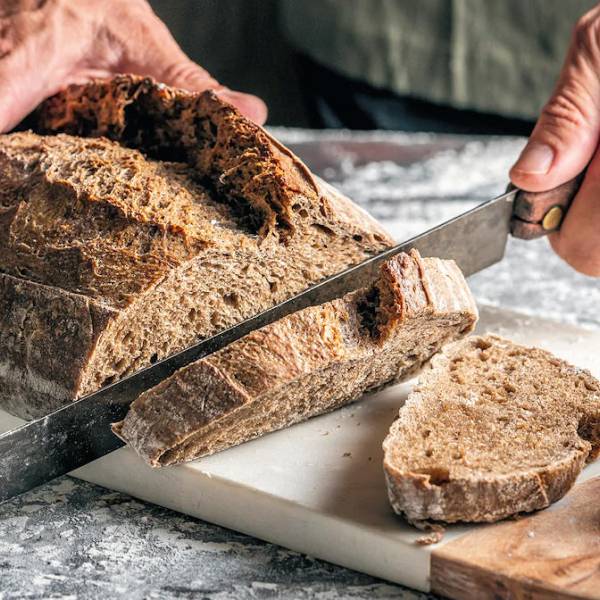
497	56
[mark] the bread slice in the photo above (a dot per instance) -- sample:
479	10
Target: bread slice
492	429
113	257
305	364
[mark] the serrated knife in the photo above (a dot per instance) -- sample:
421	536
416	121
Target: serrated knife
80	432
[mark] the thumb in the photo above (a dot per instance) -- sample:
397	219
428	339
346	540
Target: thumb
156	53
566	134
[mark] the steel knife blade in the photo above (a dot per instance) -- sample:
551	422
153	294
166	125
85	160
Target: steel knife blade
80	432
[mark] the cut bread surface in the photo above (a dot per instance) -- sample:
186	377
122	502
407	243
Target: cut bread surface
491	430
308	363
117	252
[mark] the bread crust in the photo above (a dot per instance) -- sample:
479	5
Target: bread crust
202	129
46	337
424	490
307	363
479	500
165	253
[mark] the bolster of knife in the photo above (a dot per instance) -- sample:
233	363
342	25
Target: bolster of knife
536	214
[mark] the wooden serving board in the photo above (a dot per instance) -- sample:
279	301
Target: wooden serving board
318	488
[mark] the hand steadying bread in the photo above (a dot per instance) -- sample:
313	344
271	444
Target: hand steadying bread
78	41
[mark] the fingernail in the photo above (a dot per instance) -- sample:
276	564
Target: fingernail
536	159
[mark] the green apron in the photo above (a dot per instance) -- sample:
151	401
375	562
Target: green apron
496	56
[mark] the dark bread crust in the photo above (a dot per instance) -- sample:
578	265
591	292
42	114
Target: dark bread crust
310	362
167	252
236	157
46	337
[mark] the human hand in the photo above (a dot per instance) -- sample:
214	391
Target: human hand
563	142
45	46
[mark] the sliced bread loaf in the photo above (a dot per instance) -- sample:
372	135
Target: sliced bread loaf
111	259
308	363
492	429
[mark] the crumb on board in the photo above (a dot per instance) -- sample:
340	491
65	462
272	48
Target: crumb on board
433	537
347	454
435	533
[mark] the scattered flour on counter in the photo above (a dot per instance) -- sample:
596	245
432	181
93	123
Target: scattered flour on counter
477	170
532	279
473	169
292	135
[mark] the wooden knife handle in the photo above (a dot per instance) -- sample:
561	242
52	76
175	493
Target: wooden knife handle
536	214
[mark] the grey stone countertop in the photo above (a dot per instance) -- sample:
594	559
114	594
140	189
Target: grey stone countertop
70	539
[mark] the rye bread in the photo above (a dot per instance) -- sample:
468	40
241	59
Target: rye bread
492	429
117	252
305	364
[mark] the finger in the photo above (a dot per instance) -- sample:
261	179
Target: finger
567	132
150	49
188	75
578	241
250	106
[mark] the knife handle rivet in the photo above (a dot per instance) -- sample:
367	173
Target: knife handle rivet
552	219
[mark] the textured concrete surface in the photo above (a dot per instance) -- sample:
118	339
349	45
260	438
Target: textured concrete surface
70	539
76	540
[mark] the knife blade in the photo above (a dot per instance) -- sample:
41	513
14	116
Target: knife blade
80	432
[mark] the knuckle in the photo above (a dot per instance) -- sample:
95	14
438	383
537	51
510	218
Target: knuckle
135	15
134	7
586	34
570	112
564	110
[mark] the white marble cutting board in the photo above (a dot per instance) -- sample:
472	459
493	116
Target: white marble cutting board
318	487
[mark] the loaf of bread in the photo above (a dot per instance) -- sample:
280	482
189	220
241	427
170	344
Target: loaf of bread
305	364
492	429
117	252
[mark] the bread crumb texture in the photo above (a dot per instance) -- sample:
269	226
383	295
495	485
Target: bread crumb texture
491	430
308	363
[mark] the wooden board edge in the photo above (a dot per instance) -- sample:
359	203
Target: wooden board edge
552	554
462	580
